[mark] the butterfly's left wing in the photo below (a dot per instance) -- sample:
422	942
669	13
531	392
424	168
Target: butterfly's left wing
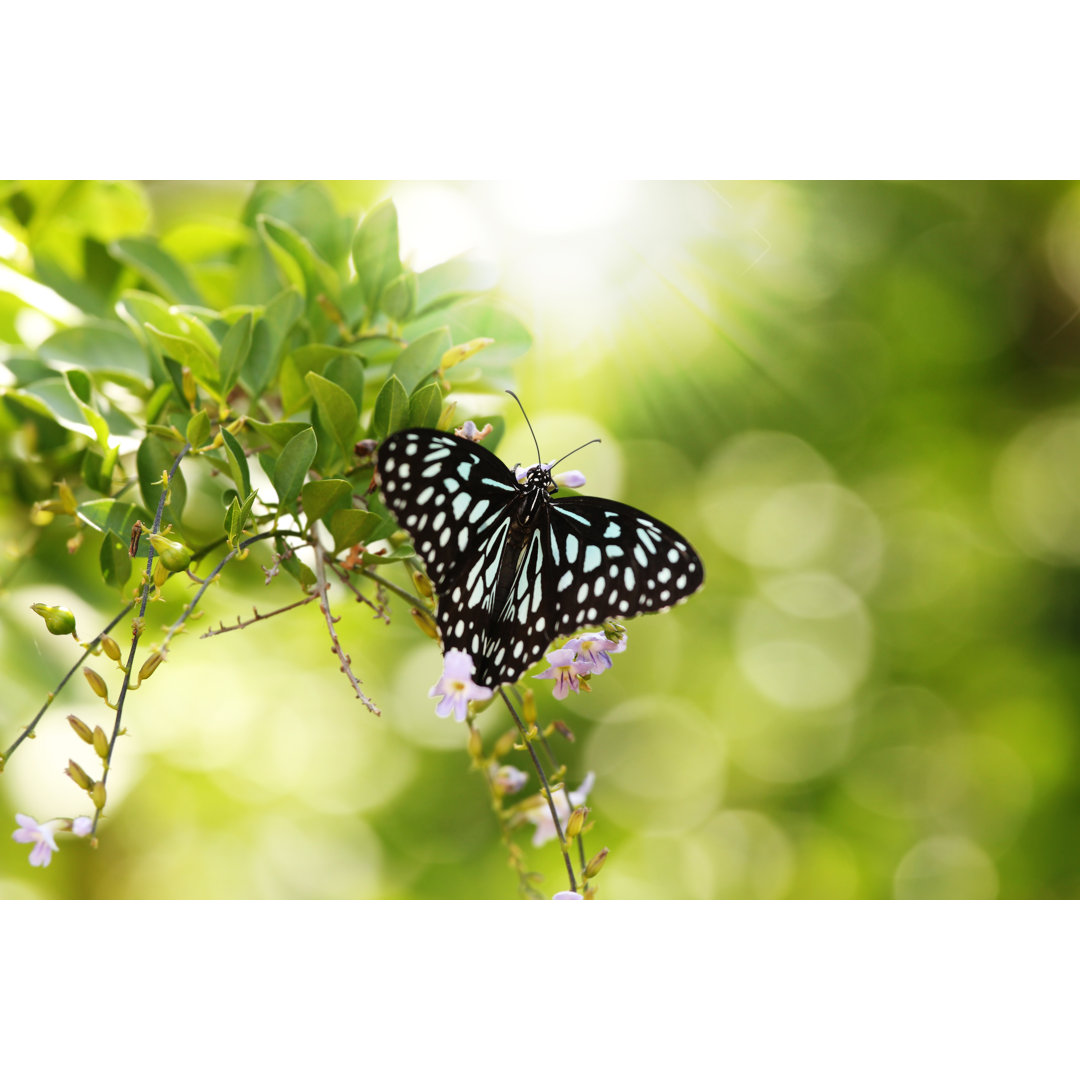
456	500
588	560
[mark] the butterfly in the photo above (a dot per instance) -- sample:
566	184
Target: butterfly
514	568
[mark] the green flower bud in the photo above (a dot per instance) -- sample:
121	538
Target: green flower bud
101	743
573	826
76	772
174	555
97	795
150	665
476	744
424	621
58	620
97	683
81	729
596	863
110	648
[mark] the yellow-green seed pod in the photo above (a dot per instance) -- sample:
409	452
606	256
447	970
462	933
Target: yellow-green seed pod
457	353
529	708
110	648
97	795
596	863
81	729
101	743
577	819
174	556
476	744
423	620
505	743
58	620
161	573
97	683
423	585
150	665
78	774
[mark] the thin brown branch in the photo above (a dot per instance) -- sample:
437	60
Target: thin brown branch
242	624
335	645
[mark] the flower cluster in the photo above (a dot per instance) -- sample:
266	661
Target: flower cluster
584	655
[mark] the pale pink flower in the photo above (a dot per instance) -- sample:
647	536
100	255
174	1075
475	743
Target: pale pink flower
565	671
41	836
540	814
456	686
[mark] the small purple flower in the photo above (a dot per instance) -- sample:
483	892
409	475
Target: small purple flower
565	671
540	813
456	686
573	478
508	780
594	651
81	826
41	836
566	894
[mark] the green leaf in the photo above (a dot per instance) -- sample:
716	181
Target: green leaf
234	351
268	337
336	409
152	460
238	465
97	468
111	515
322	497
478	319
185	351
157	401
292	467
114	560
425	406
421	358
391	411
316	276
347	371
79	385
399	297
387	524
448	282
279	432
142	253
351	526
236	518
295	393
198	429
53	398
375	253
105	347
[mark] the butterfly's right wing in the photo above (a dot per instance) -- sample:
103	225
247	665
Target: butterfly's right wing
455	499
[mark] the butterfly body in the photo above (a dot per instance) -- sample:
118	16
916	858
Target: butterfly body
515	568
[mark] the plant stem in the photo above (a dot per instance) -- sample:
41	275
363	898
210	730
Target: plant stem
547	790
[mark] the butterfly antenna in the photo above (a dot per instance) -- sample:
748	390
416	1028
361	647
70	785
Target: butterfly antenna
530	427
581	447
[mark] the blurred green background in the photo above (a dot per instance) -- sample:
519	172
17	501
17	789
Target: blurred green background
858	401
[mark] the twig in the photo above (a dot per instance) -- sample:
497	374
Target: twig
346	580
137	628
335	645
29	729
243	624
547	789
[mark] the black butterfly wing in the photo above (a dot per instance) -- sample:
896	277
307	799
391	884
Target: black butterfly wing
456	500
588	560
612	561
